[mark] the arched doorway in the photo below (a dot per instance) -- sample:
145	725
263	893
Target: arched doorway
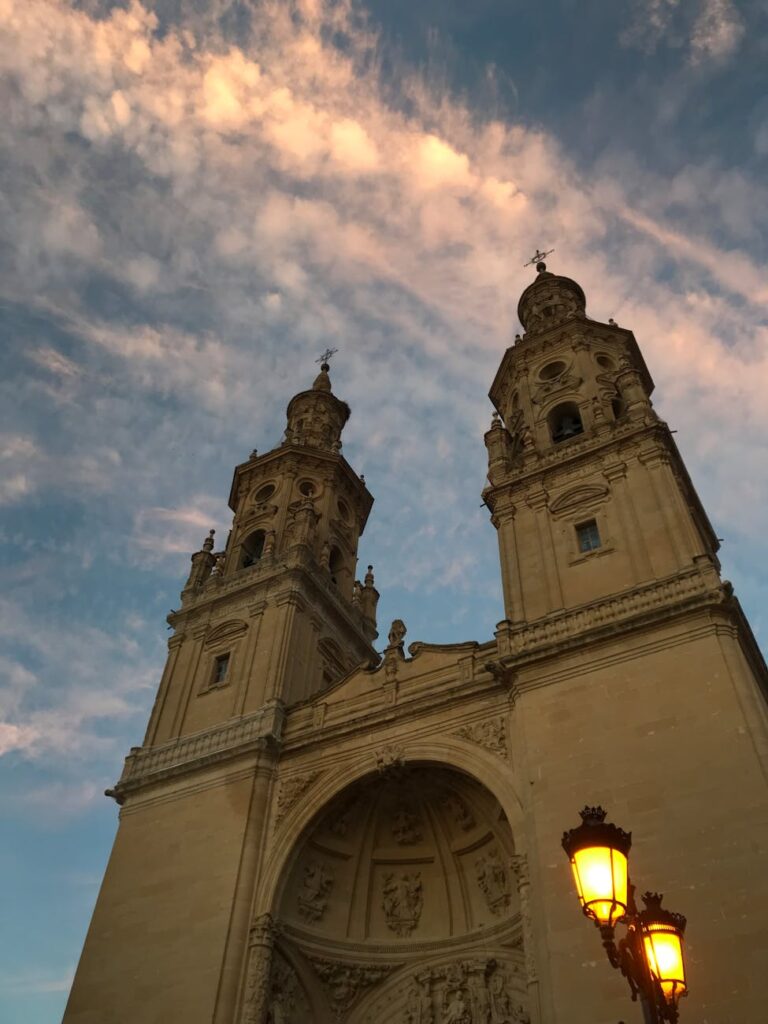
398	906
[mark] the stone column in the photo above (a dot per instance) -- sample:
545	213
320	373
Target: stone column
261	943
519	865
254	947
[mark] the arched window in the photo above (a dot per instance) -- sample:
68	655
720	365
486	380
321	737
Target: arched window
564	422
253	546
335	563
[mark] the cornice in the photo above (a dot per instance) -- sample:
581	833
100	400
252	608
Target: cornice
145	765
697	587
278	582
304	454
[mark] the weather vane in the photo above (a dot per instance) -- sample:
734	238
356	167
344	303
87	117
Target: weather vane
327	355
538	257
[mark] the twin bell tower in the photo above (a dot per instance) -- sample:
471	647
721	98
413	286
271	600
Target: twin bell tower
315	830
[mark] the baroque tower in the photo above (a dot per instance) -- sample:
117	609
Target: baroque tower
314	832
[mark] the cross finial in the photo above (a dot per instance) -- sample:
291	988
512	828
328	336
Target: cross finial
325	356
538	258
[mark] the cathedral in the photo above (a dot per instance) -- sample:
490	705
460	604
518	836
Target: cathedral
317	829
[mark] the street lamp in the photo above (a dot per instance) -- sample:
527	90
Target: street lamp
650	956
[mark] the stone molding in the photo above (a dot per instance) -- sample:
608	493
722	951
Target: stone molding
146	764
696	586
301	582
507	933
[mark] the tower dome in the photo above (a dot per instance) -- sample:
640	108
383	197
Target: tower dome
316	417
549	301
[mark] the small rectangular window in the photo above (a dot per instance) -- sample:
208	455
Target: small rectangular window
220	667
588	536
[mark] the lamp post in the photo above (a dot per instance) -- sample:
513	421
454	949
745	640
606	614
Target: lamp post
650	954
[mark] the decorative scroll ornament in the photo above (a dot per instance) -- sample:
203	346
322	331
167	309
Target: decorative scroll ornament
490	734
291	790
492	879
402	901
316	885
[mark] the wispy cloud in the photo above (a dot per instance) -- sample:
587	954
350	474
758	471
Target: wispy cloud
717	32
208	212
710	30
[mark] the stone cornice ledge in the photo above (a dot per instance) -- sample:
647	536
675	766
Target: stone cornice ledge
696	587
146	765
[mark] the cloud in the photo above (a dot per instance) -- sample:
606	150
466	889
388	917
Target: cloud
36	982
651	23
86	679
717	31
711	30
209	212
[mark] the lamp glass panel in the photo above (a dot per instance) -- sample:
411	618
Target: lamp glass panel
601	881
664	953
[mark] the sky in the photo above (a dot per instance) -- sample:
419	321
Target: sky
198	196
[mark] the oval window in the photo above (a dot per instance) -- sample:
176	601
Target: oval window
307	488
551	370
264	493
605	361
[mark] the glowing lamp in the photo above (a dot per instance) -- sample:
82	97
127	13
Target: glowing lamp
662	933
598	854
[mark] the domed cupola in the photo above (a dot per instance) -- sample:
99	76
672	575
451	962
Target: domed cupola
317	417
549	301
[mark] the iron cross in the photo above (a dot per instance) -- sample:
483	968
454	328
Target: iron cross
538	257
327	355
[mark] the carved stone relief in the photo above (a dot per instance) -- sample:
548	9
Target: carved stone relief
492	879
345	982
288	1003
465	992
459	811
402	901
519	864
338	824
490	734
389	758
290	792
316	885
406	827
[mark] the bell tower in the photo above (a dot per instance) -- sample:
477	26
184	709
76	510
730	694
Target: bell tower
314	833
289	562
581	467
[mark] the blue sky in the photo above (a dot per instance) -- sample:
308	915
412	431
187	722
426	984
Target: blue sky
198	197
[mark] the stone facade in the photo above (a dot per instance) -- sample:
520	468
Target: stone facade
313	832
